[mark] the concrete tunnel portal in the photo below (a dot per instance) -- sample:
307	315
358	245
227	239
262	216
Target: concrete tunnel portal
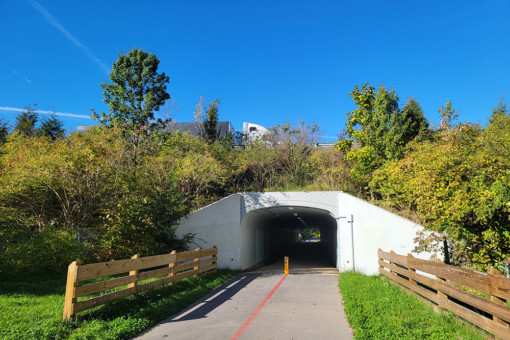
275	232
251	229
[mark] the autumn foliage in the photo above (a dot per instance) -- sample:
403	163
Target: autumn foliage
109	193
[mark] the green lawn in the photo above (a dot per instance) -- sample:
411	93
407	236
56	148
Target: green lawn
377	309
31	307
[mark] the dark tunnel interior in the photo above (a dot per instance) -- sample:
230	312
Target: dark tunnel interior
275	232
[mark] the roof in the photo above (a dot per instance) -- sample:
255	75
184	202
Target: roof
195	128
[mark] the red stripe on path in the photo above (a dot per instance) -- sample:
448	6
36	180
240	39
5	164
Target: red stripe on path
254	314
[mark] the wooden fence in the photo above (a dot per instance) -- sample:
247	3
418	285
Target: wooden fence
492	315
166	268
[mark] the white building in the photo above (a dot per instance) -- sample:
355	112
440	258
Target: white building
254	132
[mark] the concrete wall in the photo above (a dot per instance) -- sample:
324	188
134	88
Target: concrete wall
373	228
217	224
244	241
252	241
325	200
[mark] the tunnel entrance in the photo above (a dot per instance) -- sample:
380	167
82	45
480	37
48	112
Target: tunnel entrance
280	231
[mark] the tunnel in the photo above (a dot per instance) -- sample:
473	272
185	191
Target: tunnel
253	229
274	232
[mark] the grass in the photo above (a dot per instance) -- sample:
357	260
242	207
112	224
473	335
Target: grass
31	308
378	310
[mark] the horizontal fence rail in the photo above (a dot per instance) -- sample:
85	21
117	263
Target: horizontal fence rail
451	288
164	269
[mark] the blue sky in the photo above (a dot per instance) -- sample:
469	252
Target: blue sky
266	61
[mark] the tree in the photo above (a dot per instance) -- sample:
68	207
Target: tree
331	171
378	129
137	90
211	121
309	233
51	127
409	124
80	197
456	184
26	120
448	115
4	131
292	145
498	111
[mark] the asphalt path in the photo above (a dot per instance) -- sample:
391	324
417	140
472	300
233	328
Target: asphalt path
266	304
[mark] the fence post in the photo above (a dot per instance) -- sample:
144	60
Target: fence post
70	297
171	265
381	268
441	296
197	258
215	257
392	264
409	256
496	299
134	272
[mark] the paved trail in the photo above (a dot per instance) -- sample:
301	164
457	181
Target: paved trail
265	304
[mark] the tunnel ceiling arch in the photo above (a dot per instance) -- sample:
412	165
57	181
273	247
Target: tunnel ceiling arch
290	217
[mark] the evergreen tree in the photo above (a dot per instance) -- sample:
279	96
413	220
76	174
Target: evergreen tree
26	120
4	131
51	127
211	134
498	111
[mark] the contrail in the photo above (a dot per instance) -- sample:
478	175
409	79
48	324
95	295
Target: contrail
45	112
54	22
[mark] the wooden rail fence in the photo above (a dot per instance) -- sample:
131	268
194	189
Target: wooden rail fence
166	268
492	315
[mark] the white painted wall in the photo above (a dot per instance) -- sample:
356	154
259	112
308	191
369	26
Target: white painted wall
325	200
241	244
373	228
217	224
258	131
250	248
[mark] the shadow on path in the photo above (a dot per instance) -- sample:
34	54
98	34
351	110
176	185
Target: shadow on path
216	298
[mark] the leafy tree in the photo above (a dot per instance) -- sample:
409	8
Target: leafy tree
378	130
211	121
26	120
457	184
292	145
82	196
51	127
4	131
200	168
259	162
136	91
331	171
309	233
448	115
